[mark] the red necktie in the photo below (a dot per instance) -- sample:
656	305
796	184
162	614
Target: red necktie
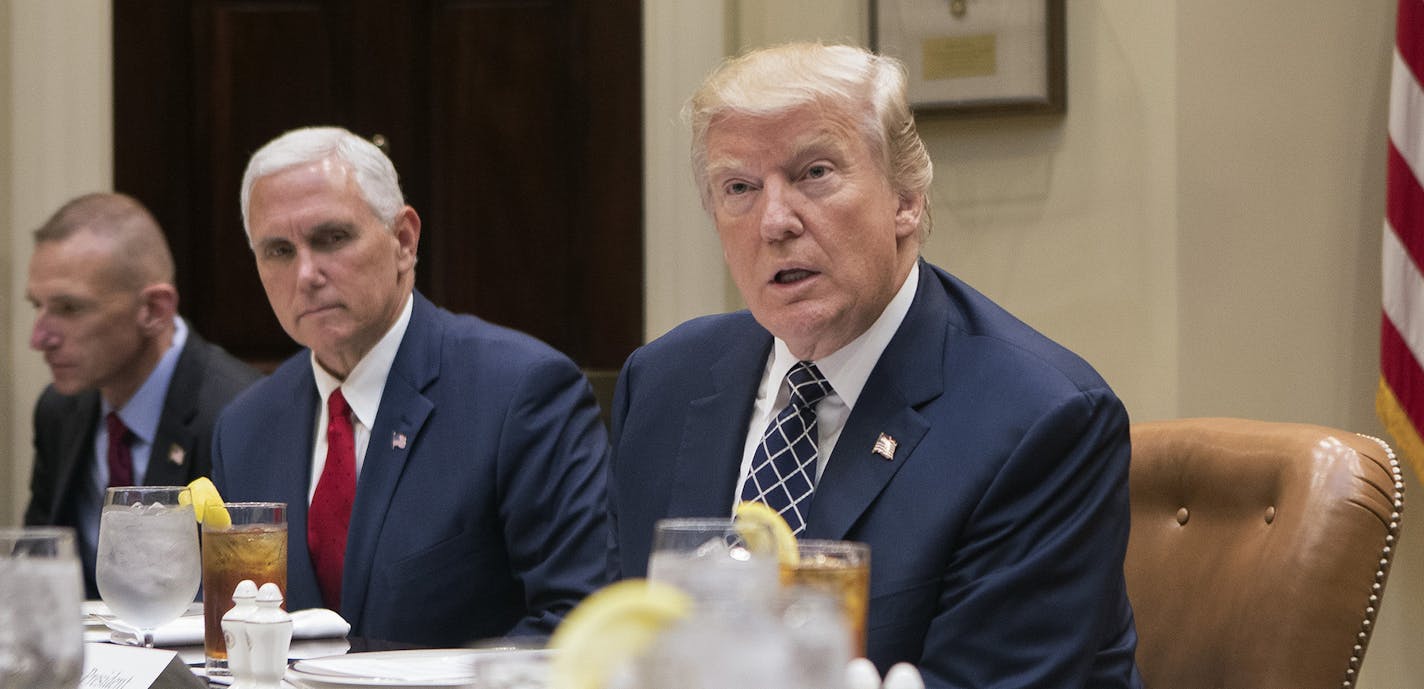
330	513
120	458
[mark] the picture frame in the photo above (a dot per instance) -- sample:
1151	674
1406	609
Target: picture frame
977	57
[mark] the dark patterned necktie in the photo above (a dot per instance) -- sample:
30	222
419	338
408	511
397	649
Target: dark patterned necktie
783	472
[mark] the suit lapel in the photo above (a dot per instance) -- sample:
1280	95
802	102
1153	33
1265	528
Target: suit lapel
175	441
282	477
714	435
394	437
76	447
909	373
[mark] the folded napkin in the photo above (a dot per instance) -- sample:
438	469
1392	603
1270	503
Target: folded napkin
312	623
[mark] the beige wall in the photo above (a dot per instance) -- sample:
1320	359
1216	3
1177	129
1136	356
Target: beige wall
8	471
1202	224
60	132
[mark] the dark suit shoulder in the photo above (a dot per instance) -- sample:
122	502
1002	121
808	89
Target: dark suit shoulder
488	339
63	428
706	338
218	375
54	408
281	384
995	338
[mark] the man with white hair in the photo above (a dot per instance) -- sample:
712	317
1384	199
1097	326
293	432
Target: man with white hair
445	476
867	395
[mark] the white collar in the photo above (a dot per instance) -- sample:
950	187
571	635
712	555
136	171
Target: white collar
365	384
849	367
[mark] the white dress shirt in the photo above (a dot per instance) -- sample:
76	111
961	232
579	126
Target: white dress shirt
846	370
362	389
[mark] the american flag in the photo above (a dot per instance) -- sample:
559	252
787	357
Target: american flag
1400	398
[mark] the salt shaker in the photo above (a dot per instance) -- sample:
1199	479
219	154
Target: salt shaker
903	676
234	628
269	637
861	674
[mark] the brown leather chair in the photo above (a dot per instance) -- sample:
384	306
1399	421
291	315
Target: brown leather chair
1258	552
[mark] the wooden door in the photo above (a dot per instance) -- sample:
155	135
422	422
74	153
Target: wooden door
515	126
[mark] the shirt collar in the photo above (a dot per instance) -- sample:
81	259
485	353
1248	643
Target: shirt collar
849	367
367	381
142	412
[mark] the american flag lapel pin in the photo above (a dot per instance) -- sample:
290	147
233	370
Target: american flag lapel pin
397	440
176	454
885	447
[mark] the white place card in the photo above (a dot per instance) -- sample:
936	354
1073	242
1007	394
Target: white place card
111	666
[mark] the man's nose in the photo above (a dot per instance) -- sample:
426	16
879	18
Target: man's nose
43	337
309	270
779	218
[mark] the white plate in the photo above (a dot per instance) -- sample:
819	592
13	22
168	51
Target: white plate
414	669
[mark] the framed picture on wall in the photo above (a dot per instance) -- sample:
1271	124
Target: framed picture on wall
976	56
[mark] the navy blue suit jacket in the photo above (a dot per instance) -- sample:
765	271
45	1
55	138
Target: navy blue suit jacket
998	530
487	520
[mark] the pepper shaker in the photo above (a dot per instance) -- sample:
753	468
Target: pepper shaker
269	637
244	603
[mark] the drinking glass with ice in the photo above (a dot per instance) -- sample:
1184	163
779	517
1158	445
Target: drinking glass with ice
148	568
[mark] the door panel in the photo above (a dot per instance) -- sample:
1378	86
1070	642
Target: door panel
515	126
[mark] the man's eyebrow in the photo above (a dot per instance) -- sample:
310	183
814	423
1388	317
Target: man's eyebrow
331	226
822	143
722	166
266	242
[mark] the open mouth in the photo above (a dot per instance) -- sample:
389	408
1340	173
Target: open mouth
787	277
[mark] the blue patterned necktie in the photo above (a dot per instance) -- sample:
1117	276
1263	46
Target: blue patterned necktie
783	473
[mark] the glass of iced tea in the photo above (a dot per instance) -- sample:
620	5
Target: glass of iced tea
840	568
249	542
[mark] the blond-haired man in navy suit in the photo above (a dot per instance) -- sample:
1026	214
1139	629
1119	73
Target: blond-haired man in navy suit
871	396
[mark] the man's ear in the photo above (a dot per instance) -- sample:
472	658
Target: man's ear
407	232
158	304
907	215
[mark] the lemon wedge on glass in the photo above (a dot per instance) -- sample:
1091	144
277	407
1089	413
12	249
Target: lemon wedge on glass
758	514
610	628
207	503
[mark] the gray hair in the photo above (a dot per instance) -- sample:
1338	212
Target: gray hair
774	80
375	174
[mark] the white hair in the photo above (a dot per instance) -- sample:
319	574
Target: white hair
375	174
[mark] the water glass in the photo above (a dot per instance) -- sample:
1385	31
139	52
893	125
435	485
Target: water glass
249	542
147	566
798	641
41	627
711	559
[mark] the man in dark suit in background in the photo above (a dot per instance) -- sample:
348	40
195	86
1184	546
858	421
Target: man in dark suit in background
445	476
871	396
135	391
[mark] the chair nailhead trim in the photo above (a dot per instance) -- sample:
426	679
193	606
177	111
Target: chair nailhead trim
1358	653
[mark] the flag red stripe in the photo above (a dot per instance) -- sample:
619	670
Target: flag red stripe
1408	32
1402	372
1404	203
